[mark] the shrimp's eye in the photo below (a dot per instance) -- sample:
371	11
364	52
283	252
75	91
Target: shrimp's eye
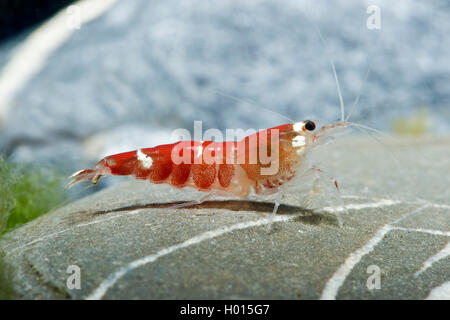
309	125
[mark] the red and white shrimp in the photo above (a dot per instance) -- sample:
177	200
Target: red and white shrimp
234	175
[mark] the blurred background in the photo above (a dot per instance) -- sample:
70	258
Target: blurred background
83	79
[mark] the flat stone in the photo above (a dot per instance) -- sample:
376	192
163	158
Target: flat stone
129	243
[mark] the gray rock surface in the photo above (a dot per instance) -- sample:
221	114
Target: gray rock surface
128	244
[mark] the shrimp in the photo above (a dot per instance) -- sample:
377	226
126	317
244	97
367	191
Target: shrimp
229	167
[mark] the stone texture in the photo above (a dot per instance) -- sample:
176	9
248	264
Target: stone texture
230	254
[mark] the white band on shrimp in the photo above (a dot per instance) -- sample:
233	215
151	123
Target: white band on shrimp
146	160
200	150
298	126
298	141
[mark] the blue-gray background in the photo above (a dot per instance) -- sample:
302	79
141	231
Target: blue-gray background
145	68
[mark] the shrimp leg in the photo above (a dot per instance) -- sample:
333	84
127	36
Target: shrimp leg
272	216
319	182
332	186
194	202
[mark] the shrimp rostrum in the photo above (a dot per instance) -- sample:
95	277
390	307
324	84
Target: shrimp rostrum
262	162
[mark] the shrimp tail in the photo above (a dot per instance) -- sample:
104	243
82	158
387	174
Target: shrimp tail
128	163
94	174
84	175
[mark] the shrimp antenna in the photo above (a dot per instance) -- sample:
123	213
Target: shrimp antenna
370	132
341	100
355	103
368	129
252	104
